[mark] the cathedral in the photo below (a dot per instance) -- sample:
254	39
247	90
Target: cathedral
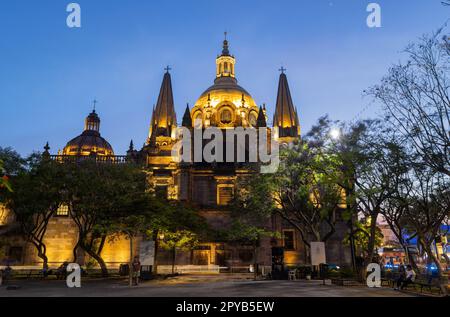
209	187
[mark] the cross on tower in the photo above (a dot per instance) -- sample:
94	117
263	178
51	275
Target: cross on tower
95	103
282	69
167	68
225	33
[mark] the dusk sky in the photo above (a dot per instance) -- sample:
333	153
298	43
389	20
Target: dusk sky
49	73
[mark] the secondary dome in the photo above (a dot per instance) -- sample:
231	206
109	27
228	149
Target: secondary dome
90	142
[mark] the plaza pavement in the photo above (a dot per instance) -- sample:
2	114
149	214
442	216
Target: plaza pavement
195	286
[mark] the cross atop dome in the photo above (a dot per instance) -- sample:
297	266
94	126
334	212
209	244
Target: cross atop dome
225	51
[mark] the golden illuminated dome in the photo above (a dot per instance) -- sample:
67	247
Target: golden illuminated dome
225	104
90	141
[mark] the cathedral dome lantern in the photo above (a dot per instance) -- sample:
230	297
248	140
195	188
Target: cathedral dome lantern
92	122
90	142
225	62
225	103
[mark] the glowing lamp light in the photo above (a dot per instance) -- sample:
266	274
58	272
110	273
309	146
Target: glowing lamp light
335	133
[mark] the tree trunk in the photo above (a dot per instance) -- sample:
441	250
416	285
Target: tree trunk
44	258
155	262
432	257
352	246
41	253
174	254
446	258
411	260
130	271
372	237
74	253
255	260
97	258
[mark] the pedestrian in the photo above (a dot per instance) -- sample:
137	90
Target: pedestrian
401	276
136	266
410	277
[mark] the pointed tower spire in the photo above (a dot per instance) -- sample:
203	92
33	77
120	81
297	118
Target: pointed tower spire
285	117
131	147
261	120
187	119
164	118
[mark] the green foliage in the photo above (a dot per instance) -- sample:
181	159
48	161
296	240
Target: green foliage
11	163
362	235
180	240
37	194
247	233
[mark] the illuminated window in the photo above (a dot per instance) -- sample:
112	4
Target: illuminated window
224	194
252	119
289	239
63	210
3	215
226	116
198	120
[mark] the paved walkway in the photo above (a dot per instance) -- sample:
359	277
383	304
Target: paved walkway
196	287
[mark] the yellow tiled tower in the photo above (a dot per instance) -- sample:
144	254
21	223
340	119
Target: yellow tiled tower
285	120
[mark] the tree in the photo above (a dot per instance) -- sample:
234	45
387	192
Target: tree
4	186
36	197
97	195
246	233
428	208
415	95
306	195
362	235
353	165
179	240
379	176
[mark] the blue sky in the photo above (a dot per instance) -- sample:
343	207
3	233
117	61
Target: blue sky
49	74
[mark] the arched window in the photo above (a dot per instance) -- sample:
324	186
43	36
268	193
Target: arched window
226	116
198	120
252	118
226	67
